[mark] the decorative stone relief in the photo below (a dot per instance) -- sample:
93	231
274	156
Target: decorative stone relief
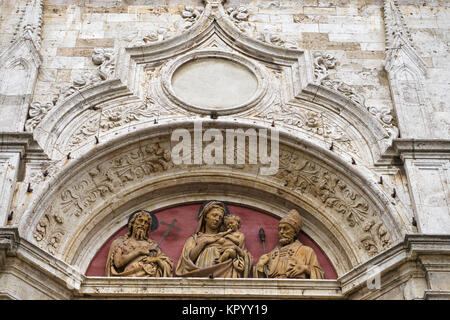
30	21
115	117
157	35
190	15
395	25
302	175
103	58
322	64
308	178
36	113
311	122
275	39
107	178
240	17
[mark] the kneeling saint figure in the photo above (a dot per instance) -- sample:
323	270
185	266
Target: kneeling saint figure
134	254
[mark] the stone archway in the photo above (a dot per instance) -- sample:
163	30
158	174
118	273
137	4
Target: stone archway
344	213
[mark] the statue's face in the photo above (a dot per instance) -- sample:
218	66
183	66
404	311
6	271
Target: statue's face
214	218
286	233
232	224
141	226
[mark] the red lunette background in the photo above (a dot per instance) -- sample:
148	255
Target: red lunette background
172	245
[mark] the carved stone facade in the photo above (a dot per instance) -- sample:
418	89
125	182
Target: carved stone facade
91	96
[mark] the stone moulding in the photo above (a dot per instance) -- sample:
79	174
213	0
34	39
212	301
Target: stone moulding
169	70
410	259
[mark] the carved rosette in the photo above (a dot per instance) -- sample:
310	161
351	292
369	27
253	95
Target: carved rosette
308	178
78	199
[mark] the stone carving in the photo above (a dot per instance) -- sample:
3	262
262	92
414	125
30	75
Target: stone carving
290	259
135	254
214	252
304	176
240	16
311	122
36	113
190	15
50	223
105	60
322	63
275	39
105	179
30	22
157	35
113	118
88	129
395	25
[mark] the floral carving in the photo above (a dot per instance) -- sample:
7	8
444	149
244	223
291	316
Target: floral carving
157	35
312	122
36	113
113	118
88	129
275	39
322	63
106	62
306	177
240	16
190	15
101	181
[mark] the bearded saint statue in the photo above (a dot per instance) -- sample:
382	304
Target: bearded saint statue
134	254
290	259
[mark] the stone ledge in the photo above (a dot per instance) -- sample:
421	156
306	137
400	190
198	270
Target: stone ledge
96	287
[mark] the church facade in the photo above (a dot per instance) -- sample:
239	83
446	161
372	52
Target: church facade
329	116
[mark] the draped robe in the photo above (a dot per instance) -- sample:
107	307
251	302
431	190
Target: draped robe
138	267
206	262
280	257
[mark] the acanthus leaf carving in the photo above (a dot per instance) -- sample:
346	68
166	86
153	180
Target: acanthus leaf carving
322	64
312	122
305	177
101	181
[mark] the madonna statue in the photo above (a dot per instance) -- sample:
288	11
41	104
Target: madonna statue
213	250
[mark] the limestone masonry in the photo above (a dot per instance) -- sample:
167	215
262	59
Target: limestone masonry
93	92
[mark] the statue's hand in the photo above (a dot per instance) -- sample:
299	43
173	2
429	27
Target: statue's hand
296	269
238	264
263	260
